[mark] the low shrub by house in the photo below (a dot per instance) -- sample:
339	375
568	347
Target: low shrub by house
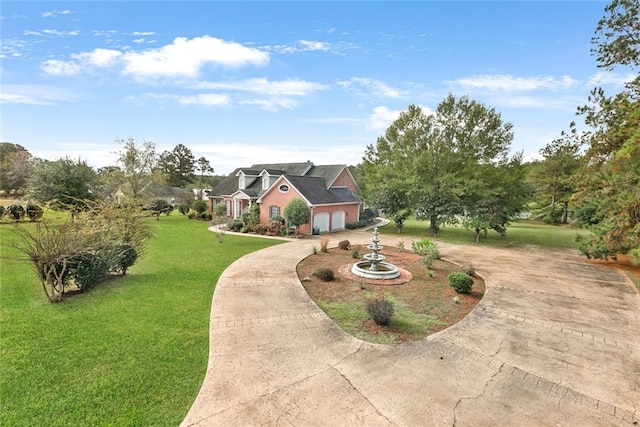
428	250
324	274
461	282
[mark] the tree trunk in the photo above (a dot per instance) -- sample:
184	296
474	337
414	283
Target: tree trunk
565	213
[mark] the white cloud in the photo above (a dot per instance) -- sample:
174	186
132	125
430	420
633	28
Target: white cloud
54	13
60	33
98	57
182	58
185	57
144	33
608	78
308	45
382	117
206	99
289	87
365	86
61	68
506	82
32	95
273	104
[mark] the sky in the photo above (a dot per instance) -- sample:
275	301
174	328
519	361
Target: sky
241	83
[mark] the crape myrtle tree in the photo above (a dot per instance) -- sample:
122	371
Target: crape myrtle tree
65	181
137	163
83	249
178	166
609	185
431	158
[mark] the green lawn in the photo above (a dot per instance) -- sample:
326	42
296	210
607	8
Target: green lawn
132	351
519	234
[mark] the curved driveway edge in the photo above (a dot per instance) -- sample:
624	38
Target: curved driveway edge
555	341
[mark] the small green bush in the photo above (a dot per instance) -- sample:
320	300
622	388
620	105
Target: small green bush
461	282
89	268
15	211
220	209
355	251
345	245
192	215
428	250
235	225
183	208
380	311
324	274
199	206
127	256
34	212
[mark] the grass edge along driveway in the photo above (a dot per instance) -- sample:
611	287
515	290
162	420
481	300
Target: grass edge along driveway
132	351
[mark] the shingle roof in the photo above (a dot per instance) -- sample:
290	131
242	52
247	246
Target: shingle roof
314	189
313	184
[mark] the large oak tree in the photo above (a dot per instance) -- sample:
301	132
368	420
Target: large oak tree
429	159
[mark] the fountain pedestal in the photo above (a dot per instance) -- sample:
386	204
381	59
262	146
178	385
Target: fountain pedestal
374	266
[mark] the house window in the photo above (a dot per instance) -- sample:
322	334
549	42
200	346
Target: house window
265	182
274	211
241	182
238	211
228	203
284	188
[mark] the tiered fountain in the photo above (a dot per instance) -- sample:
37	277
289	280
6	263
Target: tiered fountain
374	266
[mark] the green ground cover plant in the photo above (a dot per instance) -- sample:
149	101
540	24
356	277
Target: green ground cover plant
519	234
131	352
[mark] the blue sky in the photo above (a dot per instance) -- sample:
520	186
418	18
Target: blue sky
254	82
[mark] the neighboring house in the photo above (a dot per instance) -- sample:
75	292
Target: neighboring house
153	191
330	191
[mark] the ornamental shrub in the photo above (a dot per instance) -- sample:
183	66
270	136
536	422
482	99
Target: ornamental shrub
380	310
324	274
34	212
461	282
183	208
127	256
428	250
15	211
89	268
344	245
199	206
235	225
220	209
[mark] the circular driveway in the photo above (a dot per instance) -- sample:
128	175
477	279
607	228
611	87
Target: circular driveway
554	342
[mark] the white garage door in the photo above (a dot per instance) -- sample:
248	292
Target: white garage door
321	221
337	220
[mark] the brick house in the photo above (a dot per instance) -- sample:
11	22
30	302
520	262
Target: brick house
330	191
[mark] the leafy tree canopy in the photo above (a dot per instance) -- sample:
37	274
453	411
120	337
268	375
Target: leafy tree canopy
609	186
423	162
66	181
178	166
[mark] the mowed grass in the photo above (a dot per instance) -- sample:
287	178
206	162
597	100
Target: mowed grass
519	234
132	351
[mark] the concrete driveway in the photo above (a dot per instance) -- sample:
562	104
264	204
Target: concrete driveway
554	342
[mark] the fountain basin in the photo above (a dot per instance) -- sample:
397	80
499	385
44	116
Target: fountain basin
384	270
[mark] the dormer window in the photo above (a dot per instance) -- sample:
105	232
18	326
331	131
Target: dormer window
265	181
241	182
